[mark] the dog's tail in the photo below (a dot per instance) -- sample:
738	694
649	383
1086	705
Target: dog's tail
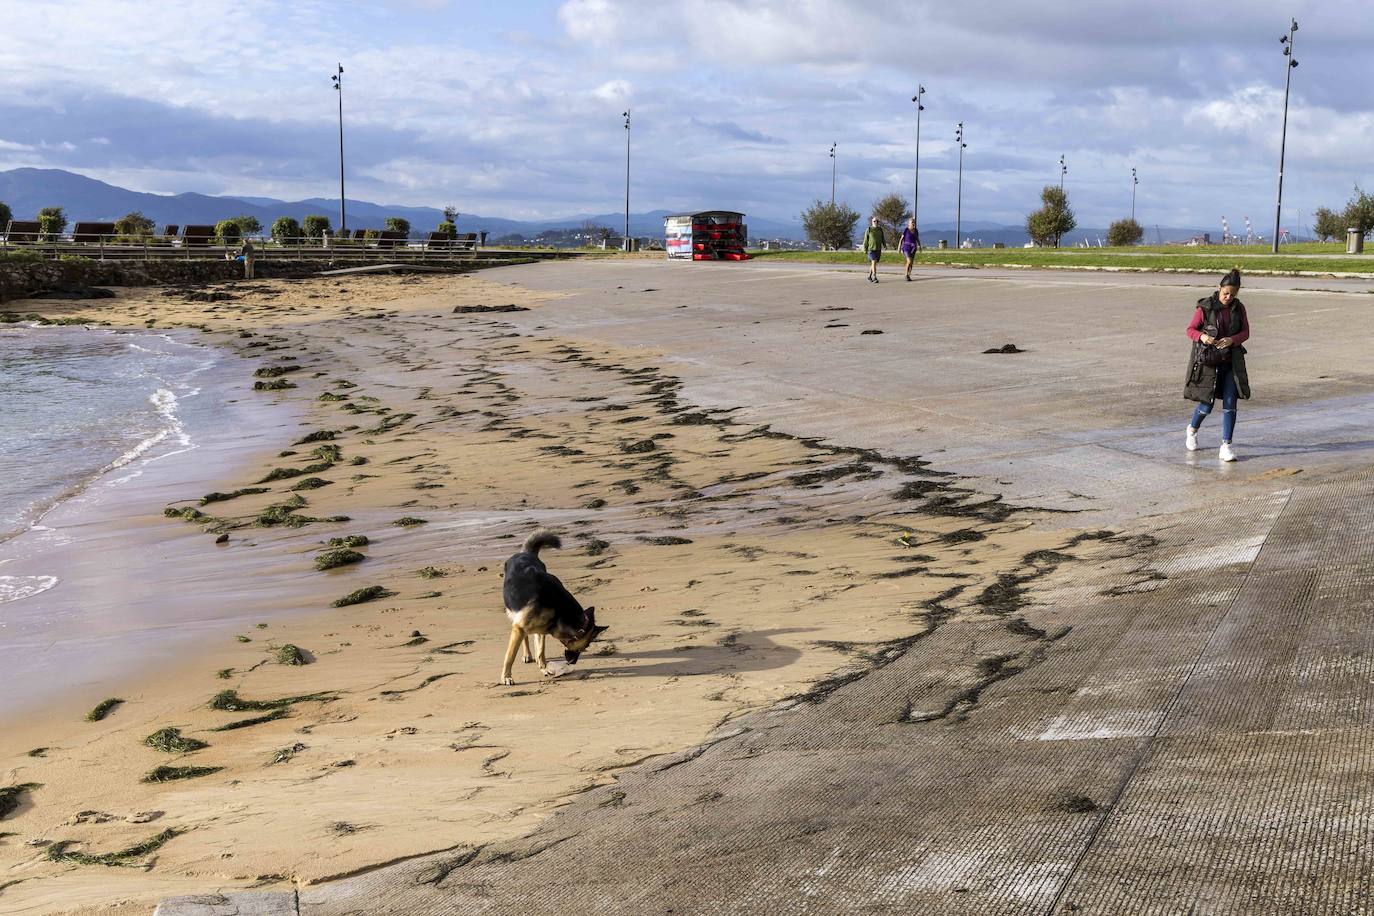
541	538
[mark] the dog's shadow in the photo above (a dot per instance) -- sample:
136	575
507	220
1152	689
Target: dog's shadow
749	650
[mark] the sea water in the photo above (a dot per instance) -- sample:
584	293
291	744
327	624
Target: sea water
81	405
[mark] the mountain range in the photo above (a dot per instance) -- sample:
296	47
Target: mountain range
27	190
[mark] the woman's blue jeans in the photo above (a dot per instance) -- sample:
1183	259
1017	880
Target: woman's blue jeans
1226	388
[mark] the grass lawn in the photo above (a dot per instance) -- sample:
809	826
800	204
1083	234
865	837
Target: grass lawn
1202	260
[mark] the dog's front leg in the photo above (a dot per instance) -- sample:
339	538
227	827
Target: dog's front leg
543	662
517	636
528	656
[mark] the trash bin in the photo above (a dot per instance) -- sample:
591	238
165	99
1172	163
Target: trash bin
482	239
944	243
1354	241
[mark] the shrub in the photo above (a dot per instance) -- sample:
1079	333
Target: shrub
1359	213
397	224
52	222
228	231
315	226
285	230
1124	232
1053	220
134	225
830	225
448	228
6	214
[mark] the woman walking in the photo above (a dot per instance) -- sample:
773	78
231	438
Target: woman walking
911	243
873	247
1217	368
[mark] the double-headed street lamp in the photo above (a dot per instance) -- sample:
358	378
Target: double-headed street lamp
337	78
959	196
916	188
626	115
1287	42
832	174
1134	181
1063	170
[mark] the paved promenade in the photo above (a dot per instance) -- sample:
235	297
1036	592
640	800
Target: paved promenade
1169	714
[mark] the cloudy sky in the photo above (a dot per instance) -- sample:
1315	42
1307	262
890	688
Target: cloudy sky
513	108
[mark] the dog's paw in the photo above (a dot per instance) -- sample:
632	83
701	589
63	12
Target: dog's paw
527	659
548	672
507	681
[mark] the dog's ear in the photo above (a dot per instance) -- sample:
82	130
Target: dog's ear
597	631
590	614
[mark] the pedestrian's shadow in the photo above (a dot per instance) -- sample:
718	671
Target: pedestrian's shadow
734	652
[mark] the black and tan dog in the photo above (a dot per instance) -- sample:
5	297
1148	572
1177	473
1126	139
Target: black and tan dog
538	605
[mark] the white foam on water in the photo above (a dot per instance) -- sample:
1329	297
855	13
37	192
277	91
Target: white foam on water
12	588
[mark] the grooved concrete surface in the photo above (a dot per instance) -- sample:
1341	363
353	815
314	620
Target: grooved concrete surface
1173	719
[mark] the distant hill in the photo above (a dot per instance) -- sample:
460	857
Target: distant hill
28	190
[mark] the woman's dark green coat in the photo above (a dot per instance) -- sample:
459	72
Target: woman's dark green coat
1200	384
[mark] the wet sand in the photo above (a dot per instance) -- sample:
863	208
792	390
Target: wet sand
736	566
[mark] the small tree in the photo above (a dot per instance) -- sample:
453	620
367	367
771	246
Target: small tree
52	222
1328	225
448	229
228	231
451	214
6	214
285	230
134	225
1125	232
1053	220
315	226
1359	213
830	225
892	212
397	224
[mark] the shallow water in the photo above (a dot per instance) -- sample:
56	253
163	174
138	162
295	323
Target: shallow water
78	403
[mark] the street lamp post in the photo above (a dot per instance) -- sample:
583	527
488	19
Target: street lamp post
1063	170
1134	181
916	187
832	174
959	195
626	115
343	206
1287	42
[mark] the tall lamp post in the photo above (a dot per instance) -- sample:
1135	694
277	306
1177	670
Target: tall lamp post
1063	170
1287	42
959	195
343	207
626	115
916	186
1134	181
832	174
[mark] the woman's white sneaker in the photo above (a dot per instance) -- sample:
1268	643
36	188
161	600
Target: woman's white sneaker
1225	454
1191	442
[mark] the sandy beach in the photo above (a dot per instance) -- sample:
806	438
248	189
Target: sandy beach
736	566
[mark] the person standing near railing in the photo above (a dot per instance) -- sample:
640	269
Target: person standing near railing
247	253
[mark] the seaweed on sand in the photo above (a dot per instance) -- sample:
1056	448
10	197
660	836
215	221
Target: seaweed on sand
409	521
331	396
352	540
166	773
328	452
188	513
290	654
431	572
320	435
9	796
333	559
272	716
276	384
282	474
275	371
230	701
370	593
172	741
221	497
61	851
312	483
103	709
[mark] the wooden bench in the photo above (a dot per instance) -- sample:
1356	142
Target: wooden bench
388	238
440	240
465	241
170	231
22	232
92	232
